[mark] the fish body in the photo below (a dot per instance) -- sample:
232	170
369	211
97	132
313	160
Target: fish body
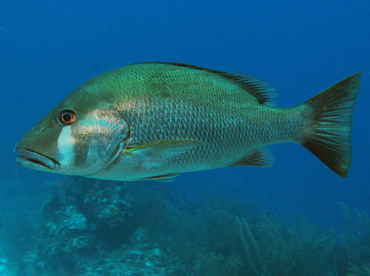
156	120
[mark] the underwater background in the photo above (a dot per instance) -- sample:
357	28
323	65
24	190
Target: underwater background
295	218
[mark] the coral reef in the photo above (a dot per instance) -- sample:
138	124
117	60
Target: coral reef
358	270
17	236
109	228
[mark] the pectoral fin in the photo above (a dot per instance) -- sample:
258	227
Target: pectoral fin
157	153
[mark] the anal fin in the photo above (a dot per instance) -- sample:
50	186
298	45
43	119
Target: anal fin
262	157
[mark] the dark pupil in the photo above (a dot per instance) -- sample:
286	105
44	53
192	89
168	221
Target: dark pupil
67	117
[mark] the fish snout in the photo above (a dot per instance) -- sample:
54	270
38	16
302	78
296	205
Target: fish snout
34	160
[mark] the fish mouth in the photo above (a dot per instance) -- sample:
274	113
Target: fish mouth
34	160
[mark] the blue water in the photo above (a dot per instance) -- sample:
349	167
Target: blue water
300	47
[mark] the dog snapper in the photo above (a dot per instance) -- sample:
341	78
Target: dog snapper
152	121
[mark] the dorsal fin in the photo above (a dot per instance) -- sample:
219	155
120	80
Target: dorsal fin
261	90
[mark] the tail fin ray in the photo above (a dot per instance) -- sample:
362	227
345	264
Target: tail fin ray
330	130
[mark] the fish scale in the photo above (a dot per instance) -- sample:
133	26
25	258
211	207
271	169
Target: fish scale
225	133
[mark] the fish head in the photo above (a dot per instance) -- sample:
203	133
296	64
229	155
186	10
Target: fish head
82	135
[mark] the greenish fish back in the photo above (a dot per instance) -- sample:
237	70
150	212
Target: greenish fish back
261	90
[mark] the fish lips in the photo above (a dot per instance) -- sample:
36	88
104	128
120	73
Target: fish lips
34	160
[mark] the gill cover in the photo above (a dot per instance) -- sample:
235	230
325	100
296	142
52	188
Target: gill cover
91	143
74	139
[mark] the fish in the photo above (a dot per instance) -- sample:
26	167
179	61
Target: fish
155	120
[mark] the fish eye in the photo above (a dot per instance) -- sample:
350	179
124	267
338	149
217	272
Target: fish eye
66	117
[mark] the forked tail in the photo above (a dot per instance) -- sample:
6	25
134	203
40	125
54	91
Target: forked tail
329	134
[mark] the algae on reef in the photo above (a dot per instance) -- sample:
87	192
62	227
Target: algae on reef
97	227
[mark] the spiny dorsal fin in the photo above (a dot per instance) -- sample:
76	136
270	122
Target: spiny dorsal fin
262	157
261	90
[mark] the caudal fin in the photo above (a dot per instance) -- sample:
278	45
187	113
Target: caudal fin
329	137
